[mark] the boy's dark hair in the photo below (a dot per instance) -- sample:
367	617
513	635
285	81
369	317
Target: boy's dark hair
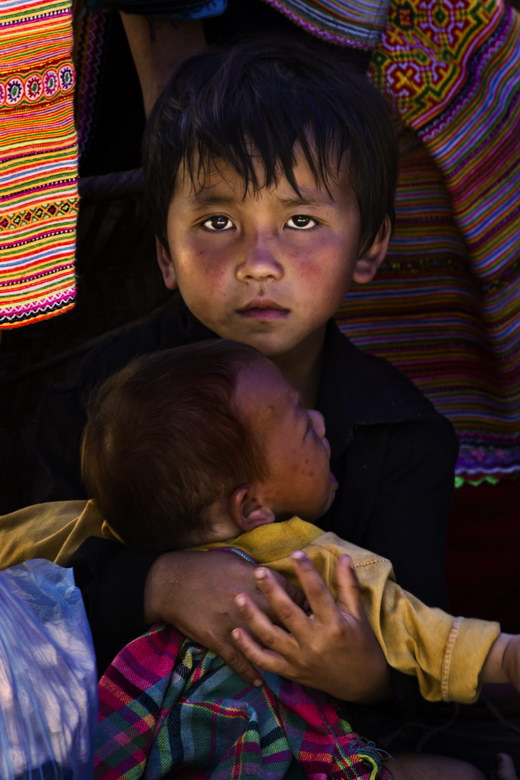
268	95
163	440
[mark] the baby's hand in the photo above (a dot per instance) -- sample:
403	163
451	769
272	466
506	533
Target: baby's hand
334	649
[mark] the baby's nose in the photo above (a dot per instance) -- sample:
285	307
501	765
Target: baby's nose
318	422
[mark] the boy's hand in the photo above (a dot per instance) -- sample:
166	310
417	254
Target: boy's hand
333	650
195	592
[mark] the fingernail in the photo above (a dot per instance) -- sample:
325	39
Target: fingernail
240	600
261	574
257	683
235	633
298	555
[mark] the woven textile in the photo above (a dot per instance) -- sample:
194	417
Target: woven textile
357	23
89	52
446	305
171	708
38	161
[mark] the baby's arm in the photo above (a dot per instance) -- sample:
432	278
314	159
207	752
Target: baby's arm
502	664
446	654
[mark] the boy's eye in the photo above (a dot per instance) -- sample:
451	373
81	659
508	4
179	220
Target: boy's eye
301	222
218	222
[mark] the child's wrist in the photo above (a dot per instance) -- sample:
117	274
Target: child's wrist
495	669
511	659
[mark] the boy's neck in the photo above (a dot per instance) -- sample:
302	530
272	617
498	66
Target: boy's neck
302	367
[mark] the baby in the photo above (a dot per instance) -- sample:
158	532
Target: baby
209	444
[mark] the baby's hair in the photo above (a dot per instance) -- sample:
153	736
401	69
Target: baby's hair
252	104
163	440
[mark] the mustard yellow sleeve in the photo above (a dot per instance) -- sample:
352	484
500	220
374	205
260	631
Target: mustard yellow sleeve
53	531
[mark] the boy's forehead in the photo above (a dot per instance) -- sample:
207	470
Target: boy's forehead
217	179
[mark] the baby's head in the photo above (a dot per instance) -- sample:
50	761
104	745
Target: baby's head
199	443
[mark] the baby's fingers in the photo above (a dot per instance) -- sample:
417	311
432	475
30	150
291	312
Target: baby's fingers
268	634
267	650
239	662
319	597
349	594
287	613
257	655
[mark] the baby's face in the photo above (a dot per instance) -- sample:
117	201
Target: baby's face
267	268
293	440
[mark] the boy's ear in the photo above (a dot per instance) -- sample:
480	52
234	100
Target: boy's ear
165	264
246	511
367	264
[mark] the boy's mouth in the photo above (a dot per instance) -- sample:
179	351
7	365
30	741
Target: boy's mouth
262	309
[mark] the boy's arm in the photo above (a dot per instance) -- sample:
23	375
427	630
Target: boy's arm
126	590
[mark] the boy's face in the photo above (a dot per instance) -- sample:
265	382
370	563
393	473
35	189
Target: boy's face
266	268
293	441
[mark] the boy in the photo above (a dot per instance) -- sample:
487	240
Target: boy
270	172
209	445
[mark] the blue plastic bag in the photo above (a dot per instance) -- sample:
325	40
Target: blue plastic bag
48	681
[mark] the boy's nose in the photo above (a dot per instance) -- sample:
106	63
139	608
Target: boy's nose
259	263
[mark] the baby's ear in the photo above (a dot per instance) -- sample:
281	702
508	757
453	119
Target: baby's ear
165	264
367	264
246	511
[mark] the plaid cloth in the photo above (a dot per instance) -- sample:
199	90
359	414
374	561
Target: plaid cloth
169	708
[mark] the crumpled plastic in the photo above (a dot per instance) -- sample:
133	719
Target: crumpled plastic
48	681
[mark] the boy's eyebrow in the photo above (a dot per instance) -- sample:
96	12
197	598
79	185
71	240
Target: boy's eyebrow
306	199
206	198
210	199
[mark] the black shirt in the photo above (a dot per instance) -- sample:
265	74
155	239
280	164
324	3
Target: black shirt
391	452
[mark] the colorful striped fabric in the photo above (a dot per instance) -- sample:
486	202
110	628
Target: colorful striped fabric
38	161
357	23
423	312
169	708
90	43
